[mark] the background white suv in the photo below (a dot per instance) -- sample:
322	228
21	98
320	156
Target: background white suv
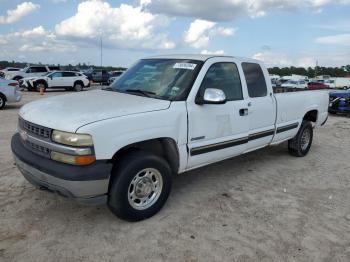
29	71
69	80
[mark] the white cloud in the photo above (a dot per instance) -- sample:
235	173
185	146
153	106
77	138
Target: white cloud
207	52
122	27
35	32
21	10
341	39
36	39
303	60
220	10
197	34
273	59
200	32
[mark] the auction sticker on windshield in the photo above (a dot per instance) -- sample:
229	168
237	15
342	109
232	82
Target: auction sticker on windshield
187	66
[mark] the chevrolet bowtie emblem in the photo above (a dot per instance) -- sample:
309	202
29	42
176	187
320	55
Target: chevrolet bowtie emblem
23	135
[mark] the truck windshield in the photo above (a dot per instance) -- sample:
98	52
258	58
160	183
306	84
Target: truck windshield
168	79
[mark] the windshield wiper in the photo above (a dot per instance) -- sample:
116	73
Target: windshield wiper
142	92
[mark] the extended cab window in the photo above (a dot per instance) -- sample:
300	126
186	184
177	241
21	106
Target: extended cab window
255	79
224	76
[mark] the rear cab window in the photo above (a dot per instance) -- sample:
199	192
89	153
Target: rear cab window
255	80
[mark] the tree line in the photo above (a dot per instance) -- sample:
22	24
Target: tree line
311	72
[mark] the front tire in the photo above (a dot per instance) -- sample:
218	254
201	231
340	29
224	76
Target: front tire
141	183
2	101
300	145
40	85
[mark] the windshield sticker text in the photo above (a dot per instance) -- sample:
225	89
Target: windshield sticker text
187	66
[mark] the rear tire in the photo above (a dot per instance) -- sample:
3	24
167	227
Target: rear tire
300	145
78	87
2	101
140	186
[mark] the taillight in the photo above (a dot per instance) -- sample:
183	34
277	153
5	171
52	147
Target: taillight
13	84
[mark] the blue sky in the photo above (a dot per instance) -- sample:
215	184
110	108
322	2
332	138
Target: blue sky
279	32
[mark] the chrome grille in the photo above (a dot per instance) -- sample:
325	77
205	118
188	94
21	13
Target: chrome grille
34	129
43	151
40	132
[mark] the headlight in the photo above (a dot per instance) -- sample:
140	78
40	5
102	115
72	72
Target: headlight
74	160
72	139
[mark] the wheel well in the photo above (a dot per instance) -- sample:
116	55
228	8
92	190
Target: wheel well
164	147
79	82
17	77
311	116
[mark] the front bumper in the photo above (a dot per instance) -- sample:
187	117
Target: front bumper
86	184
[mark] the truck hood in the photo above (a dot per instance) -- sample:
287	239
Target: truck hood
69	112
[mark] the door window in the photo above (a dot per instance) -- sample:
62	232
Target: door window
224	76
68	74
57	74
38	70
255	79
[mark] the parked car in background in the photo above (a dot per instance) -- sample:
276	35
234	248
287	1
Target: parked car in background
8	69
317	86
9	92
100	76
330	83
114	76
341	82
88	73
70	80
30	71
297	84
166	115
339	102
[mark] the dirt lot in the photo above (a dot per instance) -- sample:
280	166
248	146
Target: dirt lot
264	206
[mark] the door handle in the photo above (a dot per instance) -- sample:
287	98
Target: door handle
243	112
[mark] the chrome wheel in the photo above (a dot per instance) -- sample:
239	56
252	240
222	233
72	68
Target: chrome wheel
1	102
39	86
305	139
145	188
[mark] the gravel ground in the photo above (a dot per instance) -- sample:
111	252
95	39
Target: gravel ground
263	206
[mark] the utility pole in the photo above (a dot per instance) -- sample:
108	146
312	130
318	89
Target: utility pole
101	49
101	57
316	68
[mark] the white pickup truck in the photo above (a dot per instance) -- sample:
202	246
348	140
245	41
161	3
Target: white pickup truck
165	115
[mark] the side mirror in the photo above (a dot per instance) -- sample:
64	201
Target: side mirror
211	96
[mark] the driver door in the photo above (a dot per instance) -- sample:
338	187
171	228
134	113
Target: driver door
56	79
218	131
